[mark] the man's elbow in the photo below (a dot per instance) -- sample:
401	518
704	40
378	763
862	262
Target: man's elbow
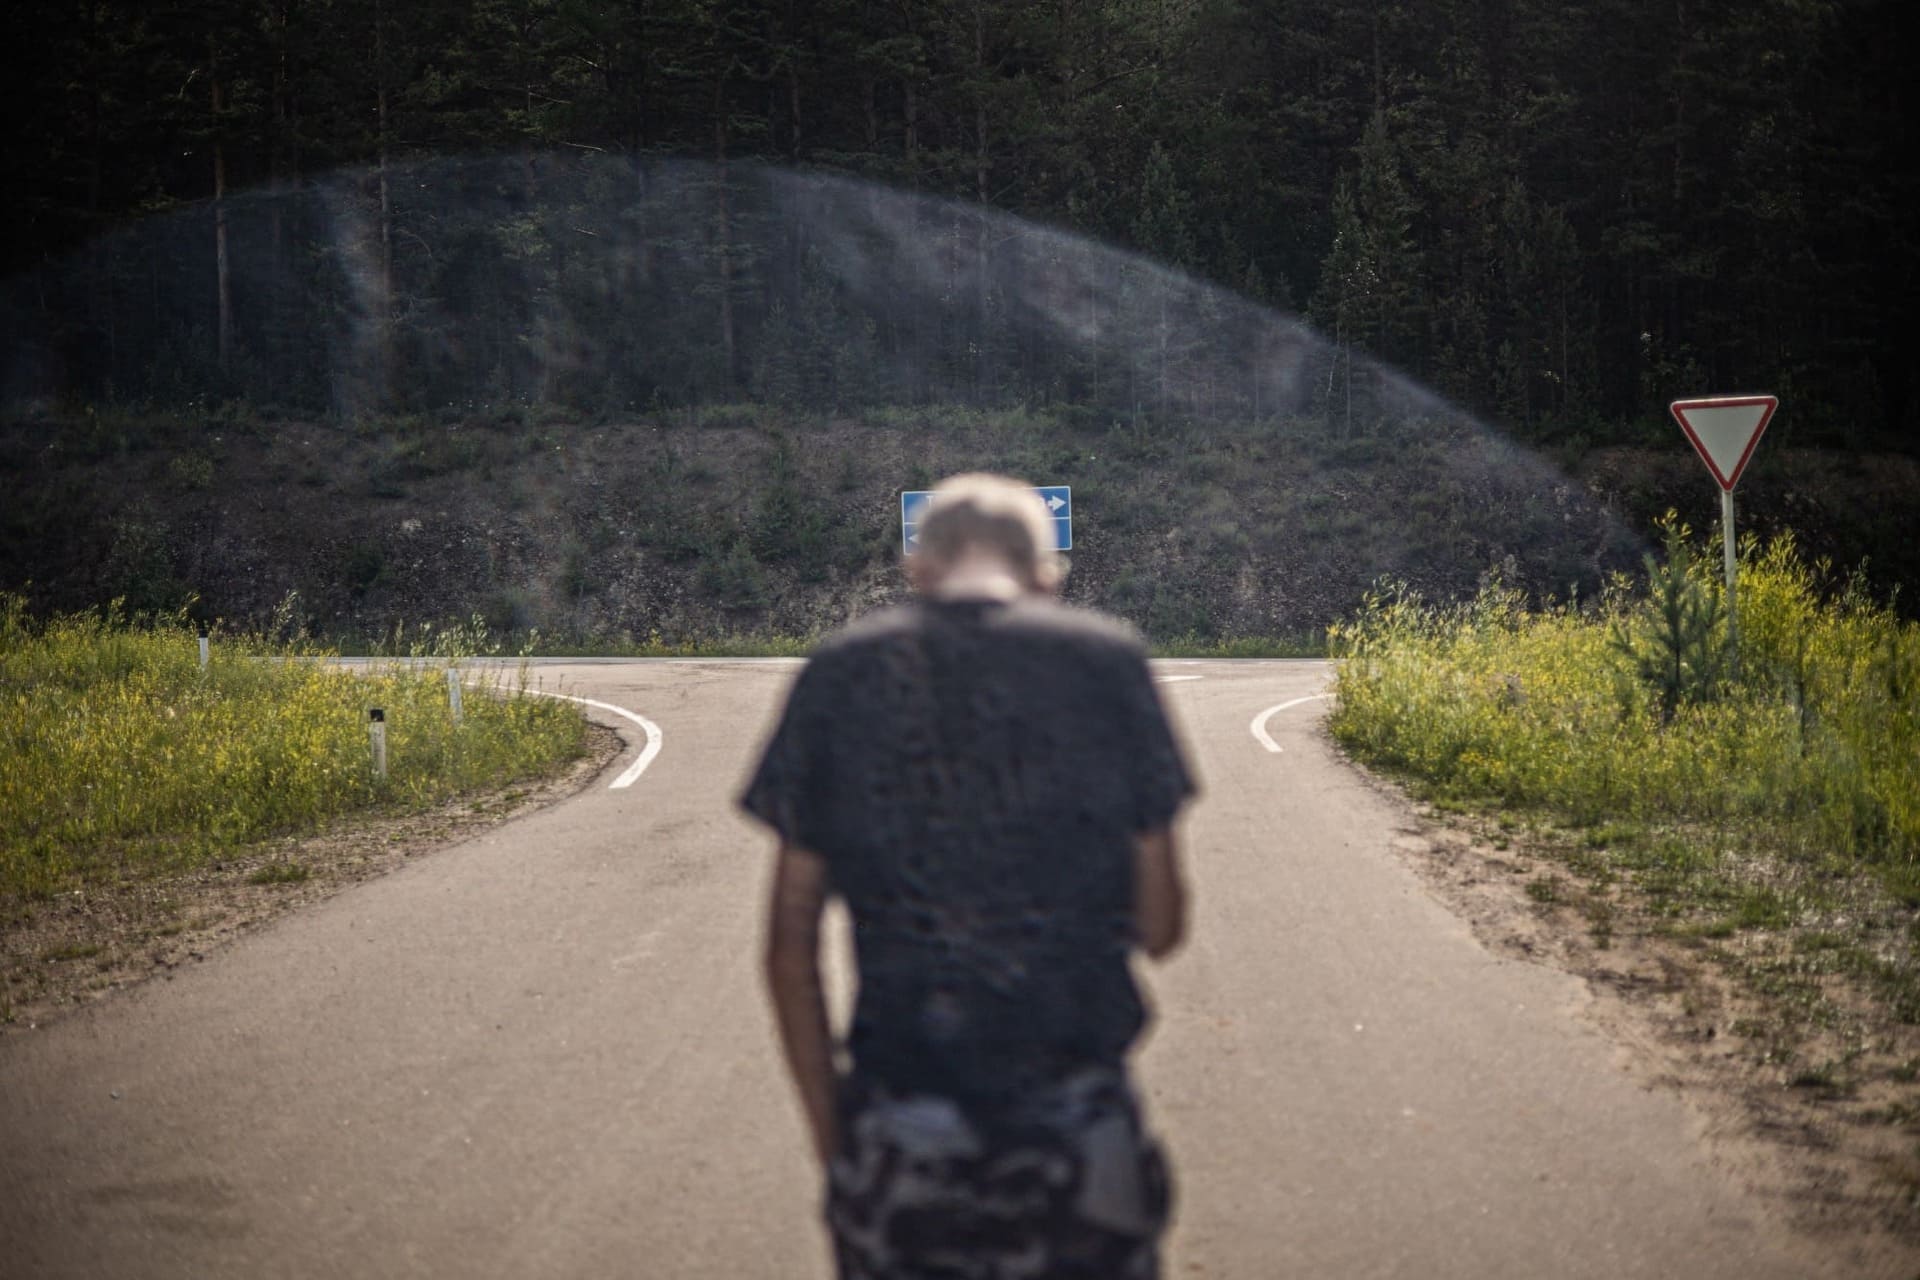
1163	924
788	963
776	961
1162	938
1160	895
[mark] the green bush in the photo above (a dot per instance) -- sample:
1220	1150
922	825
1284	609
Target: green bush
734	579
190	471
139	566
579	576
509	611
1674	639
362	566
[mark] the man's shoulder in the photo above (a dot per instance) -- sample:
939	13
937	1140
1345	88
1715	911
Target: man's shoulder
1045	621
871	629
1073	625
862	641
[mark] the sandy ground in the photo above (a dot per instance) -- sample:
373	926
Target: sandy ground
1826	1162
90	943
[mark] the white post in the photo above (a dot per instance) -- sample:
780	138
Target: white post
453	694
1733	565
377	730
203	651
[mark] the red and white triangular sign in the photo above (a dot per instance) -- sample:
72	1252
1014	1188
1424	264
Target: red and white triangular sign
1724	430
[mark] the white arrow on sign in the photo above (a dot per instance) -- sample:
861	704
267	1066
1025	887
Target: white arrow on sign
1724	430
1055	502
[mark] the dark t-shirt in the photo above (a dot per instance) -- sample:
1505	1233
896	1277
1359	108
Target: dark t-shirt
974	774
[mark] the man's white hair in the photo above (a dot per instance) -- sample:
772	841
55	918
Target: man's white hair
979	511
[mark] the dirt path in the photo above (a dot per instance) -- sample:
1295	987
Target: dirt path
545	1053
94	941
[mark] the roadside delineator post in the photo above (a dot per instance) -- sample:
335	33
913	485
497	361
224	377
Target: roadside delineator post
377	731
203	651
1724	431
453	694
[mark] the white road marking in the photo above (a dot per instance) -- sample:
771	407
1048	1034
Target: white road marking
1259	725
647	753
1171	679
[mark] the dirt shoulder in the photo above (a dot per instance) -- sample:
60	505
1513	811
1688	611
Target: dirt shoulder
1821	1123
84	945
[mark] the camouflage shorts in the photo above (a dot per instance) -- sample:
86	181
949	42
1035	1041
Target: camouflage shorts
1067	1185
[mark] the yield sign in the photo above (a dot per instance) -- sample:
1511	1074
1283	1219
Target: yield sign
1724	430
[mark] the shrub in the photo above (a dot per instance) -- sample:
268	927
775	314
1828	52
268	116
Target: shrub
509	611
734	579
139	566
190	471
363	565
578	573
1674	640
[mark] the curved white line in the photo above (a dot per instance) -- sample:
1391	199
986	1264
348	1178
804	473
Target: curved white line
647	753
1259	725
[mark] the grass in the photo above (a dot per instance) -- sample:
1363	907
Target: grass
123	757
1769	808
1815	746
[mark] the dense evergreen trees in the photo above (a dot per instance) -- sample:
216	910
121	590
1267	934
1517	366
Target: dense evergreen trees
1558	214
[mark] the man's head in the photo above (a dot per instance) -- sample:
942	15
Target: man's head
980	522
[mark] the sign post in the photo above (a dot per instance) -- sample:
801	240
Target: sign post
1724	431
1733	572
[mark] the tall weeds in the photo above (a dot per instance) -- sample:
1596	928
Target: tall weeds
118	753
1622	709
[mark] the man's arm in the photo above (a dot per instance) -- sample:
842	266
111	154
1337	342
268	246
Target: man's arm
793	981
1159	893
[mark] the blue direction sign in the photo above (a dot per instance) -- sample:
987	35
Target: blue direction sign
1058	497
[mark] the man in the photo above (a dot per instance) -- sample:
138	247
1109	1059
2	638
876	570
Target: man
987	778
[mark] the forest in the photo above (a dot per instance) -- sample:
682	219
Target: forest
1556	216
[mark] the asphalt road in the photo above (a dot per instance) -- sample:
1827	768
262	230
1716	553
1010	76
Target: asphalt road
545	1053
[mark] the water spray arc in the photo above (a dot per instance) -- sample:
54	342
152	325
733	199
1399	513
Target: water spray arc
564	278
499	287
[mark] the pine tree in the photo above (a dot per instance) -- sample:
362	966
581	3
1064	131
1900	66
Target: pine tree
1369	287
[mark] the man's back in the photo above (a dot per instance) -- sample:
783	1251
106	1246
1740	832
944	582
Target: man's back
989	781
974	774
